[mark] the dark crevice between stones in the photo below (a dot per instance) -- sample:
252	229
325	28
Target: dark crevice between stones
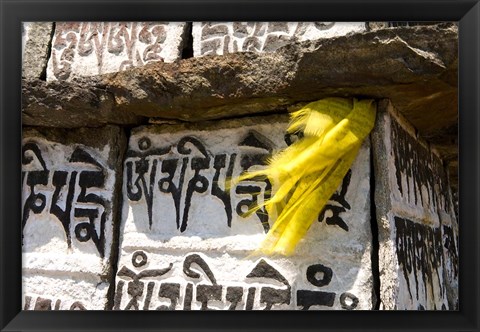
242	116
171	120
43	74
276	111
375	259
411	24
117	215
187	51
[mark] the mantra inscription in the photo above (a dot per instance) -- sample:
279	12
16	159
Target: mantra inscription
419	250
42	303
74	192
222	38
426	180
188	169
108	46
140	288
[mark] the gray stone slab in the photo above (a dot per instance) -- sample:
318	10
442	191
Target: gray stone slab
187	244
217	38
62	104
417	224
93	48
70	182
36	39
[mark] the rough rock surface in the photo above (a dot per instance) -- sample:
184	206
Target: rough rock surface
36	48
190	232
93	48
415	67
417	226
230	37
70	184
66	105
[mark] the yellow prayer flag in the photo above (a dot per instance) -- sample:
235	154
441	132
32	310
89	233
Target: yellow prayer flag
310	170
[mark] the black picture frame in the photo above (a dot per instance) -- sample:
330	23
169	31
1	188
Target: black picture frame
13	12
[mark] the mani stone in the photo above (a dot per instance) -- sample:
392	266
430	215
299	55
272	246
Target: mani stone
93	48
418	230
36	37
187	244
69	223
231	37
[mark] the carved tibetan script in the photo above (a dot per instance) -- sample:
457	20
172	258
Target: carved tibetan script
261	287
171	176
92	48
76	193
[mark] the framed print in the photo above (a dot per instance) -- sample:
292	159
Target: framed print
240	165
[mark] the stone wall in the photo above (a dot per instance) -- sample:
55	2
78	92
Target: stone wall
418	230
137	213
94	48
218	38
180	217
70	215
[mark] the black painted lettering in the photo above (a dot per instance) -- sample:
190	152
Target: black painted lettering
198	260
318	275
348	301
170	291
234	296
43	304
35	202
224	195
307	299
136	286
198	183
337	197
187	302
166	185
250	299
269	295
419	251
207	293
64	215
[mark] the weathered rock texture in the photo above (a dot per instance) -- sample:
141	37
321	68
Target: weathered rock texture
418	230
59	104
93	48
415	67
186	230
184	238
217	38
36	39
70	205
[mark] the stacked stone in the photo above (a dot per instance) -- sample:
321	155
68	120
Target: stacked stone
138	214
70	182
418	229
191	231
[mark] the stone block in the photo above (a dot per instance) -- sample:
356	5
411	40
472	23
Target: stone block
187	244
231	37
93	48
418	230
36	39
69	219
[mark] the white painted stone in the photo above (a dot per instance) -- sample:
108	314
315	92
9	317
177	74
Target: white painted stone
68	217
231	37
149	245
54	291
93	48
414	209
